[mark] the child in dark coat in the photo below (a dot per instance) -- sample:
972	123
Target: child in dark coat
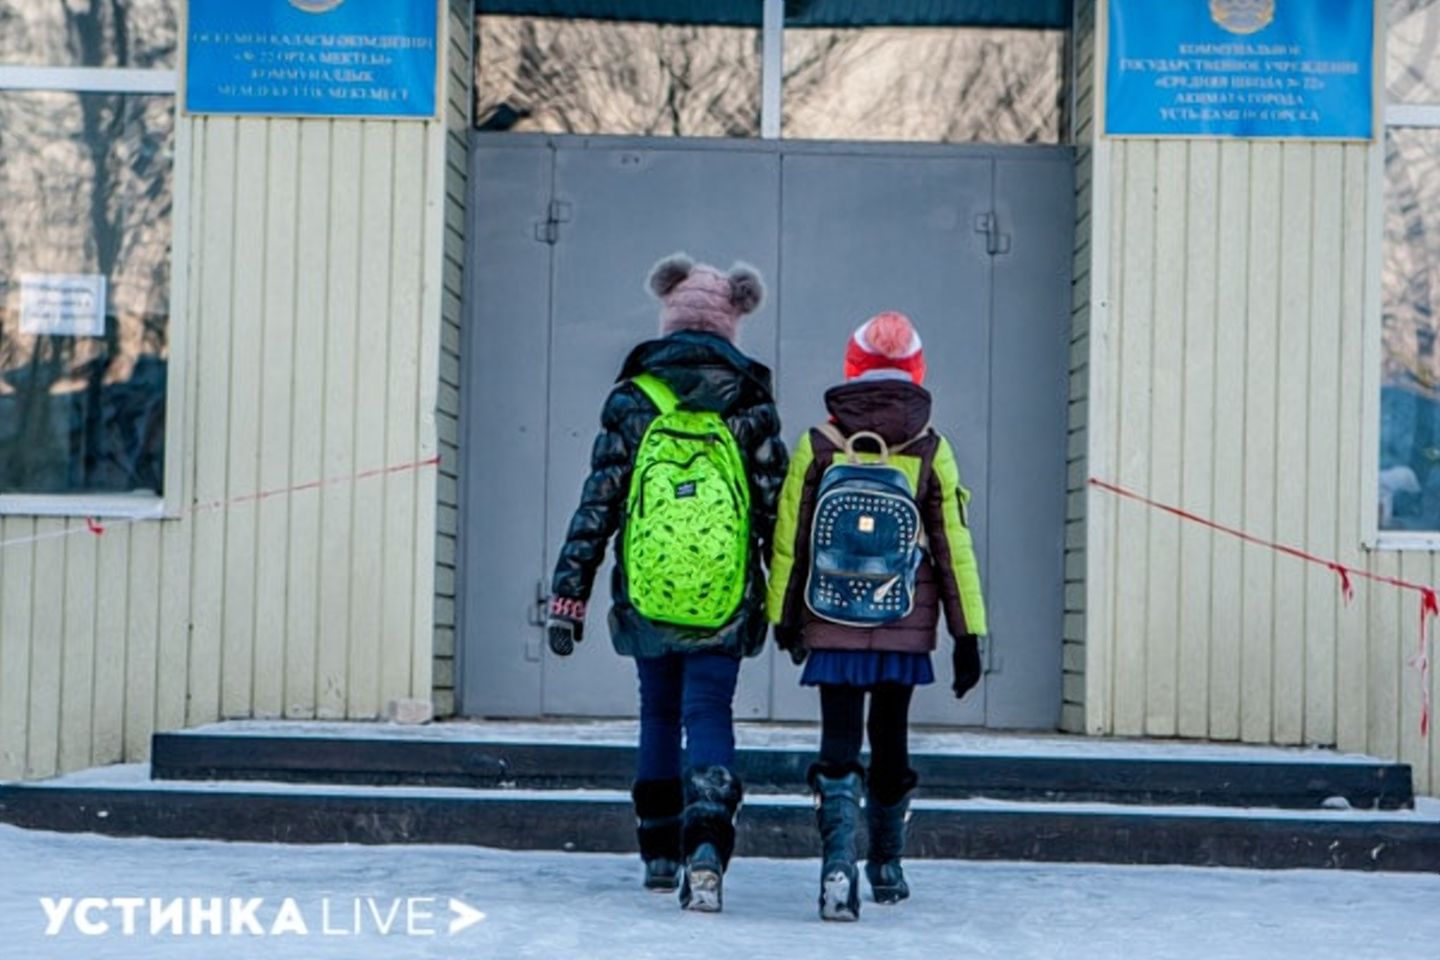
884	367
687	674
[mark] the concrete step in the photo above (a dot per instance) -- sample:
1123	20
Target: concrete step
124	801
479	757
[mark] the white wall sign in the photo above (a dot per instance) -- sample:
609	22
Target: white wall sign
63	304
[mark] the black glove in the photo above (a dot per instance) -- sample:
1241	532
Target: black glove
565	626
966	660
790	640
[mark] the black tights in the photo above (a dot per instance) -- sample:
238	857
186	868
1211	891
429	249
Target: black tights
843	728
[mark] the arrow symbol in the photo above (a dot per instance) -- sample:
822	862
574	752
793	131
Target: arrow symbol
465	916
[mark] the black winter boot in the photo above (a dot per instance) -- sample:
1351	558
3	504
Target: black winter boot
712	795
886	825
658	804
838	793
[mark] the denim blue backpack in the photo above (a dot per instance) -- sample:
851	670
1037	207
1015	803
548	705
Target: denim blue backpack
867	537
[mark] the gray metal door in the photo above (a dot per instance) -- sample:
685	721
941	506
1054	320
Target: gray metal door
505	357
973	243
861	234
624	210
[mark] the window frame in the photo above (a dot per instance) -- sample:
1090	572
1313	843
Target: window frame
772	31
1404	116
170	504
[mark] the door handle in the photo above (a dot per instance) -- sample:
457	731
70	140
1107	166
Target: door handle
535	616
990	656
539	607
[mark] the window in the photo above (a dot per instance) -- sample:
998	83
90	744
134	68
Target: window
138	34
87	144
1409	484
933	84
597	77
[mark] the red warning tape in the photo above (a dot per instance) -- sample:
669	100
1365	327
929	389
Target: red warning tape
1429	603
312	485
94	526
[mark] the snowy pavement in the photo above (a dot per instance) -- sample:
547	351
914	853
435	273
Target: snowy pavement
574	906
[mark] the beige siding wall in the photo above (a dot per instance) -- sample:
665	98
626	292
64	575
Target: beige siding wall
1233	374
447	414
1236	328
93	648
1072	711
313	253
313	362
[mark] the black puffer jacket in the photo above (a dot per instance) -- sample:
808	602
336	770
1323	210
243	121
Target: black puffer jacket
707	373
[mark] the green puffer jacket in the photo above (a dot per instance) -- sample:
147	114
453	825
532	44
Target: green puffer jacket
949	576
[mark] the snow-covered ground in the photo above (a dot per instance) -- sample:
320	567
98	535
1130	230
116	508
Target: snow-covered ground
590	907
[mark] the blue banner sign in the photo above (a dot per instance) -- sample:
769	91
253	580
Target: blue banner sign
1241	68
326	58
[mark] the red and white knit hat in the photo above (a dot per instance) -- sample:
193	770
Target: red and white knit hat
887	341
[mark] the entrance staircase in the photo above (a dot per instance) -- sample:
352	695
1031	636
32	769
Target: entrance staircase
565	786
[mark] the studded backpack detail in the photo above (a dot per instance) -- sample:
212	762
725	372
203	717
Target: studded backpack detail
867	537
687	527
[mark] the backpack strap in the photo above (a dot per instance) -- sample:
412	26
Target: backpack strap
832	433
925	431
658	391
847	444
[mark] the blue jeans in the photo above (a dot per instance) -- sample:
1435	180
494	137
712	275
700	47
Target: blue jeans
690	692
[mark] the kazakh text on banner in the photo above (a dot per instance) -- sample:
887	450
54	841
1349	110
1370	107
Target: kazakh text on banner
328	58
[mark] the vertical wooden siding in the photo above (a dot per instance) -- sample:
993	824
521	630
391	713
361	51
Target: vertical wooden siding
457	150
313	256
92	642
309	293
1072	712
1238	336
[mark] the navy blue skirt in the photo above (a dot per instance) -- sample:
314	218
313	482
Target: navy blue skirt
865	668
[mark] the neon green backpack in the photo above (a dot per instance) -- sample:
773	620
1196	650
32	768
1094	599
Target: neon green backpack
687	527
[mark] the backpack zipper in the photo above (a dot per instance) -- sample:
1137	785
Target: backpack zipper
640	504
707	437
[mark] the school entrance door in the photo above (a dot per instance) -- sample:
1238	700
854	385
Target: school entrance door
974	243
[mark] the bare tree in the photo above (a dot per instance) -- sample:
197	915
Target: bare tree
943	86
565	76
1412	45
939	85
1412	233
